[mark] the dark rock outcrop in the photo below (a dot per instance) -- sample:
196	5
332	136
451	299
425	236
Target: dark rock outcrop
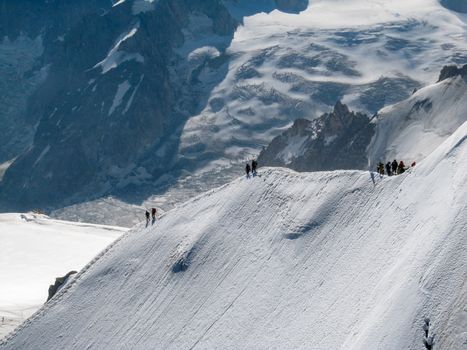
455	5
452	71
59	282
336	140
29	33
294	6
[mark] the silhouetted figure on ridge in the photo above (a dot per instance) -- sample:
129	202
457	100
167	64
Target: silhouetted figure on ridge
147	218
254	166
394	167
388	169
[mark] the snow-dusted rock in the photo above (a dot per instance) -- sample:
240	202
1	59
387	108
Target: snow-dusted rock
408	131
336	140
455	5
452	72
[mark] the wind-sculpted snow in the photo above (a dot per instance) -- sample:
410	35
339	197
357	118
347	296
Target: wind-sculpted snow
324	260
413	128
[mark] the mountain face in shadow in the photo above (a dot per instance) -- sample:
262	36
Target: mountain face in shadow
117	83
455	5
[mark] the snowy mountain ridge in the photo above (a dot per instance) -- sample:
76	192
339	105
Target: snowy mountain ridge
409	130
198	86
413	128
333	260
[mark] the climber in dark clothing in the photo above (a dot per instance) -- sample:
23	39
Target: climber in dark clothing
254	165
388	169
380	168
401	167
394	167
147	217
247	170
153	214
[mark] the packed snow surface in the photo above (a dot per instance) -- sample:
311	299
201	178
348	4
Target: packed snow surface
413	128
34	250
325	260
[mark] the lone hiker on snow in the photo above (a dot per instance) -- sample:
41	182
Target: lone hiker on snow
254	165
247	170
153	214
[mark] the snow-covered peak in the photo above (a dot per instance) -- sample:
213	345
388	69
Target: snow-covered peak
340	260
413	128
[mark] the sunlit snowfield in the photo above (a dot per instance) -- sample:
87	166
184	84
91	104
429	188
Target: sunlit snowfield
34	250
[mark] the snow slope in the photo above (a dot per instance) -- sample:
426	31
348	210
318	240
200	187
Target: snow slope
413	128
325	260
34	251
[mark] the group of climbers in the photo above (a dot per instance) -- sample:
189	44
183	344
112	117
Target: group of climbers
252	168
153	215
392	168
250	171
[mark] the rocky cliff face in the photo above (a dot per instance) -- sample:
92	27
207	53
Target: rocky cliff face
408	130
336	140
452	71
110	99
114	83
455	5
30	33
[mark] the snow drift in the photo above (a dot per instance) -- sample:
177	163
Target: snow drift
325	260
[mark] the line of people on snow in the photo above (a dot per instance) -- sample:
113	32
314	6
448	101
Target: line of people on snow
252	168
393	168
